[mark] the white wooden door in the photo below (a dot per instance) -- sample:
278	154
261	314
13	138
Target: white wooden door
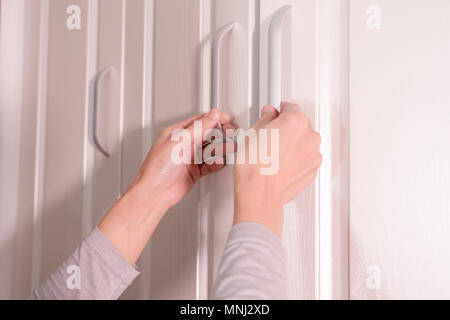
399	149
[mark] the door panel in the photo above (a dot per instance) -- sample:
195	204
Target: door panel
176	96
400	155
65	136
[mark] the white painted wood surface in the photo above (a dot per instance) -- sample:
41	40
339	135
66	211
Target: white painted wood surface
332	121
400	151
173	257
65	130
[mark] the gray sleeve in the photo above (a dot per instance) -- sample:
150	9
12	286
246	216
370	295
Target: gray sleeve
95	270
253	265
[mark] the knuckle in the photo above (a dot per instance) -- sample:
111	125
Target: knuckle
319	160
166	131
317	139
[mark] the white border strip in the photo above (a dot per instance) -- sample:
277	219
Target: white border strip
89	151
207	18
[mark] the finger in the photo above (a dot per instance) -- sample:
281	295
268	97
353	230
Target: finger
229	130
186	123
313	162
225	118
268	113
206	169
287	107
208	122
218	149
166	132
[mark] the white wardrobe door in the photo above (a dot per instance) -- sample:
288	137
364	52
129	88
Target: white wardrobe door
399	149
65	134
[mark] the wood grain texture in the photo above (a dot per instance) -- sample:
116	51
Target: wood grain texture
236	98
400	155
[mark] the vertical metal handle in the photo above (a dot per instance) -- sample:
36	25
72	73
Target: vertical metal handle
98	81
275	54
215	82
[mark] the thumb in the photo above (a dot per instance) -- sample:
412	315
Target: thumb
268	113
208	121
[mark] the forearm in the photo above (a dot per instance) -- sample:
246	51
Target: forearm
102	266
133	219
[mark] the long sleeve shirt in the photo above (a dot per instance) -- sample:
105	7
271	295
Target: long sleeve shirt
253	266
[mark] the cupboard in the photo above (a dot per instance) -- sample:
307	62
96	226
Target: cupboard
85	86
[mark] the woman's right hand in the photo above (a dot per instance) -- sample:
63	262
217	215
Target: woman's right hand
260	198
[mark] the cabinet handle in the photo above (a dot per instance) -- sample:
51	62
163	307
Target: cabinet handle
98	81
275	44
215	73
215	82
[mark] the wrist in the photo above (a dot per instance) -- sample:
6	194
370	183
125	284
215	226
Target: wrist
258	200
150	201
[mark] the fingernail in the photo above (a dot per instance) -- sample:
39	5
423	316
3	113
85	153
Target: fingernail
267	109
213	114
